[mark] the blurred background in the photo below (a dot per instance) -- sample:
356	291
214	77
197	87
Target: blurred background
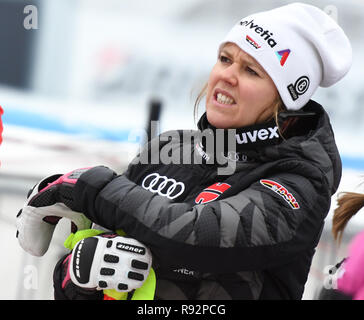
80	79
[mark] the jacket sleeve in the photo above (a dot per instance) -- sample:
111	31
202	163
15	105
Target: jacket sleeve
254	229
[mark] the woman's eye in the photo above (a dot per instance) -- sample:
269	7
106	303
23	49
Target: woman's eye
224	59
251	71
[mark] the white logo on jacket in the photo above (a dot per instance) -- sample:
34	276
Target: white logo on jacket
253	136
164	186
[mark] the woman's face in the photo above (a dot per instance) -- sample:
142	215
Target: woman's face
239	91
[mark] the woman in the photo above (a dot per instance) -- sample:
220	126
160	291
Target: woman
235	209
349	283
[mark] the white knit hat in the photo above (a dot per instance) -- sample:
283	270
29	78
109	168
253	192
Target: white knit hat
298	45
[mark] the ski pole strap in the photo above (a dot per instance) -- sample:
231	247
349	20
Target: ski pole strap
145	292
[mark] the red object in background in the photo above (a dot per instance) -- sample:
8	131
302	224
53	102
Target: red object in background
1	125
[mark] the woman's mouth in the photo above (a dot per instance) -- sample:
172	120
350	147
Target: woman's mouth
223	98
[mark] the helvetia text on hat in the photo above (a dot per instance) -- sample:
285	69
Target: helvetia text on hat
265	34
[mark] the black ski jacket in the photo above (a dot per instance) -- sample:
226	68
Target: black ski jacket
248	235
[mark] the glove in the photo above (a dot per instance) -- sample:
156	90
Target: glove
104	262
109	261
56	189
37	220
65	289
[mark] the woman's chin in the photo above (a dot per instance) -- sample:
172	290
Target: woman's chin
221	116
218	120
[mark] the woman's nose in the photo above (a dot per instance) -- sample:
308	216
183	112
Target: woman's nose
230	75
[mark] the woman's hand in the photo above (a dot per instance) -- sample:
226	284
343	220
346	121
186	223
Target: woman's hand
41	212
109	261
47	202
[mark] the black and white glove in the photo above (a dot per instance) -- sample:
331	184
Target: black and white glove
44	207
109	261
50	200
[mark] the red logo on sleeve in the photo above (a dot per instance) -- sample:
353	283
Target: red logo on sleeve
212	192
282	191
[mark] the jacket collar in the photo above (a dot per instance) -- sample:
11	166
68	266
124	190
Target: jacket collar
235	143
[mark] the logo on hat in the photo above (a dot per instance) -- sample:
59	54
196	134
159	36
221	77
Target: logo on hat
299	88
252	42
265	34
282	56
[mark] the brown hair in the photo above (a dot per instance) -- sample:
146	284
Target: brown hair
198	100
278	107
349	203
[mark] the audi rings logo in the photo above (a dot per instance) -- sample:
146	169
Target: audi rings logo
163	185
